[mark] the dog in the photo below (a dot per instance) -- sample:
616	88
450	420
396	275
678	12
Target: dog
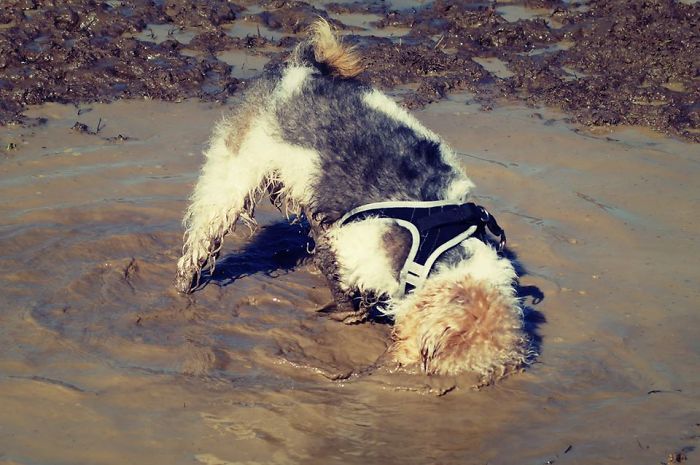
375	186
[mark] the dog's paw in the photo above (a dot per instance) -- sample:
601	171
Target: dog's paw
343	314
186	280
351	318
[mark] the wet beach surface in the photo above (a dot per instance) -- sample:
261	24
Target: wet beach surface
104	362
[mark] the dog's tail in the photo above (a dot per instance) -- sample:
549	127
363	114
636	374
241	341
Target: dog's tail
325	51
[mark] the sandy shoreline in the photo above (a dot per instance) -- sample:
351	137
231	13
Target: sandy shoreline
103	362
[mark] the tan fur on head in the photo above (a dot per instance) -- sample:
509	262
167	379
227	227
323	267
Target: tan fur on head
342	60
466	326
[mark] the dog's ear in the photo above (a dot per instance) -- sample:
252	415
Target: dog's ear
463	326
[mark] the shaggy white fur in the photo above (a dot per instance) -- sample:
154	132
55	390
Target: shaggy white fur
292	82
381	102
465	319
362	258
233	178
459	189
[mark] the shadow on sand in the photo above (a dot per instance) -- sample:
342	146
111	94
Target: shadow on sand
274	250
529	296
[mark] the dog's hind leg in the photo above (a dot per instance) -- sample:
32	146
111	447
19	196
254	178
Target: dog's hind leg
231	180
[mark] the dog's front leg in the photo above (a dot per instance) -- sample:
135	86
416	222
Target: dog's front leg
344	308
324	259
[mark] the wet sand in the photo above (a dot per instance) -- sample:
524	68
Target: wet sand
102	361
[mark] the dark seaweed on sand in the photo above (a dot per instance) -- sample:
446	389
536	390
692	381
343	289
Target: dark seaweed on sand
604	62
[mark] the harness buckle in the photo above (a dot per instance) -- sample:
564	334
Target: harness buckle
490	222
502	242
485	215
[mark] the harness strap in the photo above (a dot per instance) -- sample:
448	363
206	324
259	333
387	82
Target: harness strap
435	227
466	213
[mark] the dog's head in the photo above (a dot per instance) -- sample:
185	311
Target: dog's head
465	318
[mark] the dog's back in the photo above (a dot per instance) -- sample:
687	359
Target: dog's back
315	137
369	148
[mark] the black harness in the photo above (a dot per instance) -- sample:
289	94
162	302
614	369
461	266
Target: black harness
435	228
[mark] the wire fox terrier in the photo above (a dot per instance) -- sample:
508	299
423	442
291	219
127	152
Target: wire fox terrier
387	206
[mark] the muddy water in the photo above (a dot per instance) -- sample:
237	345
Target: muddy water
101	361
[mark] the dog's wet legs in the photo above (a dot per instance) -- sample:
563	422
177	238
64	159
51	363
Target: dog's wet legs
225	192
344	309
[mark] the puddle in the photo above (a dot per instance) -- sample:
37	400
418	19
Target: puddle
244	364
361	24
406	4
243	29
559	46
245	65
675	87
251	10
495	66
387	32
161	32
573	74
357	20
580	6
515	13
